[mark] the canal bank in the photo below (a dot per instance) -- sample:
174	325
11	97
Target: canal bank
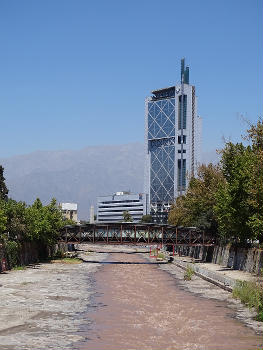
213	281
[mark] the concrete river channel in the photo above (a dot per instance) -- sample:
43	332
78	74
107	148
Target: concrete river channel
118	299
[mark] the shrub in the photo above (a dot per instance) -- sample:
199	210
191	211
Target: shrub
250	294
59	254
66	261
19	268
189	272
12	252
161	256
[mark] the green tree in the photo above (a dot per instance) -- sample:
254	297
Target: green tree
3	221
127	216
36	221
146	218
179	214
3	188
55	219
232	208
196	208
15	213
44	222
255	137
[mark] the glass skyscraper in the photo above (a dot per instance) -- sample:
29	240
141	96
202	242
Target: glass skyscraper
172	143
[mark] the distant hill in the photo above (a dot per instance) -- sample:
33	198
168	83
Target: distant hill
78	176
75	176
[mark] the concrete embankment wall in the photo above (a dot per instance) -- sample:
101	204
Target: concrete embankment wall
245	259
27	253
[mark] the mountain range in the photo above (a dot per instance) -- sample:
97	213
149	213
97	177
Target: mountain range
77	176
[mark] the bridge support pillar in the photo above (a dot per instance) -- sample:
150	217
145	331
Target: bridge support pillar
148	234
107	234
66	235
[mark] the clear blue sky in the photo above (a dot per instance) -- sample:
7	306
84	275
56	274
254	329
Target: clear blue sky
75	73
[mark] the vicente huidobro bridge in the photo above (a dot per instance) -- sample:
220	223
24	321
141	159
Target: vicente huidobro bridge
131	233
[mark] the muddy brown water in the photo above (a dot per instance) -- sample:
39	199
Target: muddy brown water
142	308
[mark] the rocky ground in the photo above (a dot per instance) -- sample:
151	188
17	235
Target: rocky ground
42	307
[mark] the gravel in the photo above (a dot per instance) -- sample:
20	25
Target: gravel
43	307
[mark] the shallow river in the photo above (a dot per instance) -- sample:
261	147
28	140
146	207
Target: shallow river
141	307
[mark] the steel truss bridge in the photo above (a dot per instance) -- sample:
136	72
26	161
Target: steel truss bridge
129	233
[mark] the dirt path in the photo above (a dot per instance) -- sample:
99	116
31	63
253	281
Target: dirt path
143	308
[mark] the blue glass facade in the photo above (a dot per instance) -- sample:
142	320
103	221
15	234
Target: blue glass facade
184	112
161	145
172	144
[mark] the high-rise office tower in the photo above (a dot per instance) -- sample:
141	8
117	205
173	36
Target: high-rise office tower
172	143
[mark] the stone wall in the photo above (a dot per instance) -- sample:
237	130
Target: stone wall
29	253
202	253
245	259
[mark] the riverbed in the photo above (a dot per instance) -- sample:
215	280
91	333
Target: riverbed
144	307
117	299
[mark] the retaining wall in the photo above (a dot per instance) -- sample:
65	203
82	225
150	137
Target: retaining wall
29	253
244	259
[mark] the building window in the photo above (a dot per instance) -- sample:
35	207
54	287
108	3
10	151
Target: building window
184	112
179	139
181	180
179	151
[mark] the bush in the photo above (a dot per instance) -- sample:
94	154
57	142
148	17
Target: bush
250	294
60	254
161	256
12	253
19	268
189	272
67	261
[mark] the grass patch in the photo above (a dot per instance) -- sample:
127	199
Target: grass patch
250	294
66	261
161	256
59	254
189	272
18	268
154	252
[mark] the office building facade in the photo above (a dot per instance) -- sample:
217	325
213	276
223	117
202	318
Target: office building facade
111	208
172	144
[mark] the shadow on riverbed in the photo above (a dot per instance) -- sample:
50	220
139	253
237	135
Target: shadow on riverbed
110	252
123	262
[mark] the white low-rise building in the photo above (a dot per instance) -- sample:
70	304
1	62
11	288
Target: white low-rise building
111	208
69	211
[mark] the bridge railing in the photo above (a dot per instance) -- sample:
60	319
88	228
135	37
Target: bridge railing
128	233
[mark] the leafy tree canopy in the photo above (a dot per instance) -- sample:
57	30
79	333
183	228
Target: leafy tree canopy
127	216
147	218
228	198
3	188
30	223
196	207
